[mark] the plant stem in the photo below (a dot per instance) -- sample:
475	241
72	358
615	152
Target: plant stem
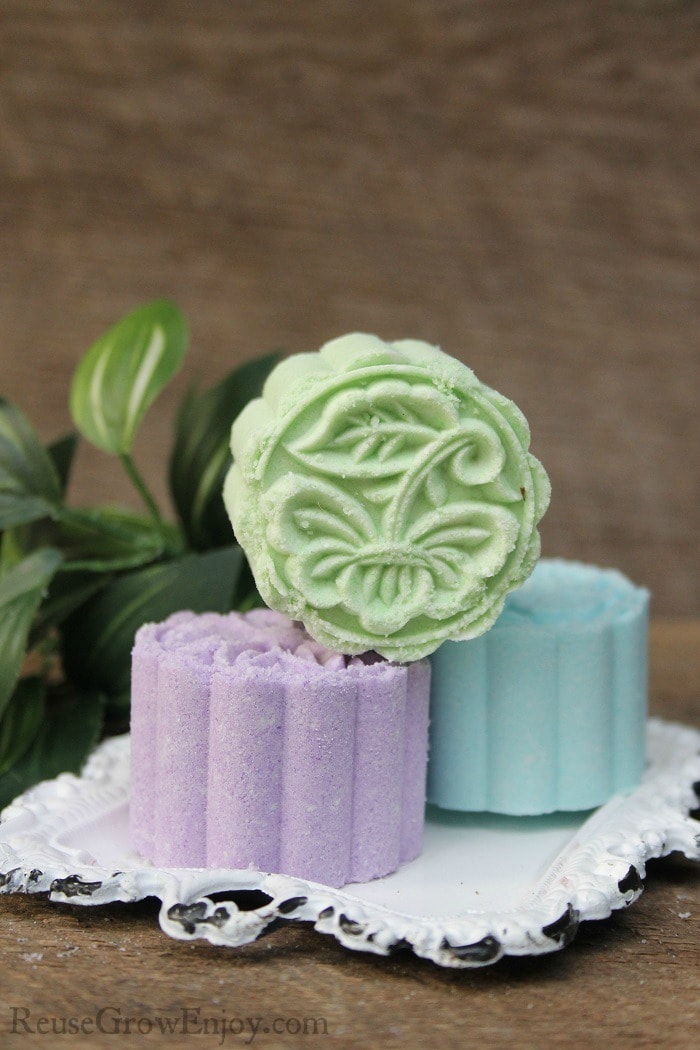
132	470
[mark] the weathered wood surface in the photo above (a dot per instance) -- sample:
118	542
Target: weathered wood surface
514	181
630	981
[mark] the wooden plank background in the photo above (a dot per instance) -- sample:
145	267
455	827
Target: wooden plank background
515	181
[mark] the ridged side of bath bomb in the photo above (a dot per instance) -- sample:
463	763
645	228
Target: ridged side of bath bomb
254	746
548	710
384	496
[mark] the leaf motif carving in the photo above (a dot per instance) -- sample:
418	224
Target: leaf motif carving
375	432
328	566
466	536
388	585
448	565
388	498
436	488
379	492
385	590
314	520
482	456
501	491
318	515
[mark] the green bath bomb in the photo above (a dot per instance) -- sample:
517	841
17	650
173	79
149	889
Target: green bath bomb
384	496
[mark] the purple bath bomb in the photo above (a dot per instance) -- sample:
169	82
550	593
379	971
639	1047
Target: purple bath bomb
253	746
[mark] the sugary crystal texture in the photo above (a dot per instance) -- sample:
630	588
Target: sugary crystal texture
384	496
254	746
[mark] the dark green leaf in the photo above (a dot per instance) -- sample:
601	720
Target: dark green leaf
62	453
118	706
251	600
98	540
108	539
247	595
71	728
98	638
124	371
16	544
21	721
21	591
201	454
29	485
66	593
21	540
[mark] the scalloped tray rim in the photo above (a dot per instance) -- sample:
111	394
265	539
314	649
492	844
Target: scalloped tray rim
600	870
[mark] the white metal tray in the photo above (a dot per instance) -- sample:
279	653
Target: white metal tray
483	887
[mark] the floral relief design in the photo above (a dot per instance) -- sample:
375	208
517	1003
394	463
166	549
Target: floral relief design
339	554
396	509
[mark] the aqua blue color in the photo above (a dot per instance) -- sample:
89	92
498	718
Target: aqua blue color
546	711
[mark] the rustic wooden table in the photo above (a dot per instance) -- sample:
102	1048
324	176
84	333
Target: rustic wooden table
631	980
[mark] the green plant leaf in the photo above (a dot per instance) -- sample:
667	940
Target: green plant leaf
21	721
201	453
62	453
124	371
98	638
107	539
71	727
251	599
21	592
29	484
20	540
66	593
16	544
98	540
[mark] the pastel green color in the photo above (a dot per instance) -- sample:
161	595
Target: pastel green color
384	496
548	710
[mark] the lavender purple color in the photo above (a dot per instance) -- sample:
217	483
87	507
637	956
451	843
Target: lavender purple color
254	746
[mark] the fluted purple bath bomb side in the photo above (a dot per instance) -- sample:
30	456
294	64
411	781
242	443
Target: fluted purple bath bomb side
379	769
317	792
415	765
245	768
144	717
253	746
182	755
